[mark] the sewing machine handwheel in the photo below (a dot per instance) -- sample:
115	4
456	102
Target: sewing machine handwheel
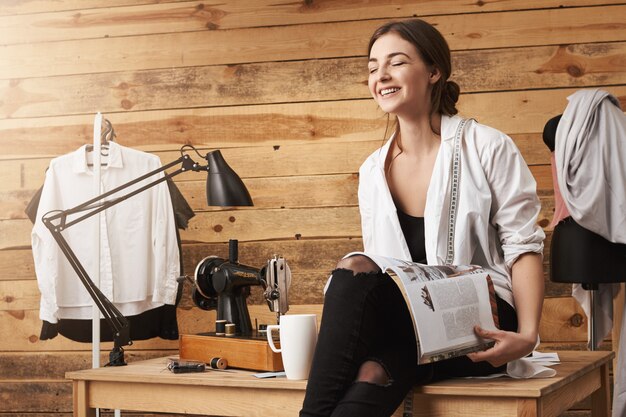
203	277
205	303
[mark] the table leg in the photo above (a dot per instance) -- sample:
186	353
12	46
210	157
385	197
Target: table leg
81	400
528	407
601	399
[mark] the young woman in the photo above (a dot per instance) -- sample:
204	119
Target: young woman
365	361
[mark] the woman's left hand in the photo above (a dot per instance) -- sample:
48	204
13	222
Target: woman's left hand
509	346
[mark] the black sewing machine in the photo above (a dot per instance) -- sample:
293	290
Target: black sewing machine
225	285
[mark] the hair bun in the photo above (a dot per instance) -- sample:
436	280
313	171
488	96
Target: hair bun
449	96
452	91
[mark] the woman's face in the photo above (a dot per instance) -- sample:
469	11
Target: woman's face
399	80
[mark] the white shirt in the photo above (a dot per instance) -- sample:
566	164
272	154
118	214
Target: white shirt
139	254
497	209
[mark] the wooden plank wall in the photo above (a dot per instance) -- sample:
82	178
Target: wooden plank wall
280	87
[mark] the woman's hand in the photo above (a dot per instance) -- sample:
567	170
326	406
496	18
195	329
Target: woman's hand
509	346
527	279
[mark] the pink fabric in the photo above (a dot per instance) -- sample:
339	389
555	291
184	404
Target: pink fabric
560	209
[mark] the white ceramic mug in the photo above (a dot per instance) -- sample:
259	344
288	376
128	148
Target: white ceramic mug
298	337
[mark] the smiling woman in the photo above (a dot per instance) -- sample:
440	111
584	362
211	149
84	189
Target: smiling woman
418	55
442	190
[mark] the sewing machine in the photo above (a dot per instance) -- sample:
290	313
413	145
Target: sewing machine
224	285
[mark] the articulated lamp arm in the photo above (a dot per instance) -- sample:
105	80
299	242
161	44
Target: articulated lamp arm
57	221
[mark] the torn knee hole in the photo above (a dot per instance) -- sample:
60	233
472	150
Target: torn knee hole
374	372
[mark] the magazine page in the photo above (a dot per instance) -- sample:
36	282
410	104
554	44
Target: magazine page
444	311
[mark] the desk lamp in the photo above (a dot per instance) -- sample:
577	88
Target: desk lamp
223	188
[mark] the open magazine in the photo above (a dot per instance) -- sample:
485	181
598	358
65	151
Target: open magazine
445	302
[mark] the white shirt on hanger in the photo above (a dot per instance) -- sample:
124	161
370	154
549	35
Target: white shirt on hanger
497	210
139	252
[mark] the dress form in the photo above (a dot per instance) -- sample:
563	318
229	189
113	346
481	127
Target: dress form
580	256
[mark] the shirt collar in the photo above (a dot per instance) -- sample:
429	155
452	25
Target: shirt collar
449	125
114	159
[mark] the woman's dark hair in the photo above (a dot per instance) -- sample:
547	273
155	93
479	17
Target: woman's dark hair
434	51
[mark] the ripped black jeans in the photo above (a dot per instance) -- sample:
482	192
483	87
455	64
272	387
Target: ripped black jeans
365	318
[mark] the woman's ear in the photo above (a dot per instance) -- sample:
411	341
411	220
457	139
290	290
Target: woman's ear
434	76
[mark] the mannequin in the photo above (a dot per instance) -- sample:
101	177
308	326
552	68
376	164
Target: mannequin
578	255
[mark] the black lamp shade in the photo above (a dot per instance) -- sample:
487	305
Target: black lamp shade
223	185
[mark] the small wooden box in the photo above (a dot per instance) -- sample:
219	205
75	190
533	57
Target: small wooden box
251	352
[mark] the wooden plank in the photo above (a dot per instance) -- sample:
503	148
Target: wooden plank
582	65
26	366
277	192
562	320
312	259
106	22
323	190
582	346
104	413
35	396
555	402
328	79
306	288
245	13
44	6
306	41
246	225
202	86
484	407
310	262
95	19
16	265
270	223
271	125
19	295
13	203
25	327
602	398
520	112
240	353
262	168
302	255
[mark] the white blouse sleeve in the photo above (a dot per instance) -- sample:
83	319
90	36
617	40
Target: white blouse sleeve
46	251
165	246
515	206
365	207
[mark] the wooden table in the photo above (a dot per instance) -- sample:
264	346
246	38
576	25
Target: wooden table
149	386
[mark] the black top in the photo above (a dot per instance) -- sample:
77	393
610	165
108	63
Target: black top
413	230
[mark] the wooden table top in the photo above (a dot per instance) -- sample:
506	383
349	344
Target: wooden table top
155	371
573	364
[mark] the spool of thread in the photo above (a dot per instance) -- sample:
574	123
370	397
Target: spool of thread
230	329
218	363
220	327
